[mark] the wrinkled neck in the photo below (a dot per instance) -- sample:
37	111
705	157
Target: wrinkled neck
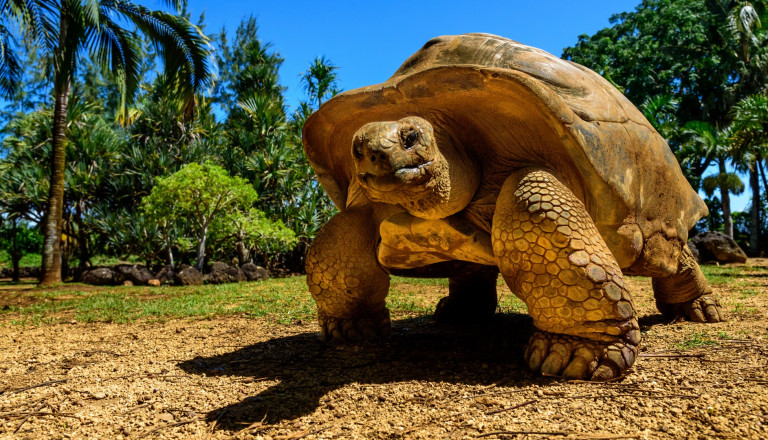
452	188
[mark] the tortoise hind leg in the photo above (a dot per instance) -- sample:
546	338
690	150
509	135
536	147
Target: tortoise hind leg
471	296
687	293
345	279
552	256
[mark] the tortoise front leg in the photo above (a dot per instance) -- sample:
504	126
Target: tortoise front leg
552	256
687	293
345	279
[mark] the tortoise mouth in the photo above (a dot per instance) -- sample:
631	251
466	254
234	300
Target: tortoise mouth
399	178
410	173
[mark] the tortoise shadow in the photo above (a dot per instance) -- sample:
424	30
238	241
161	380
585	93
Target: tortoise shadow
418	350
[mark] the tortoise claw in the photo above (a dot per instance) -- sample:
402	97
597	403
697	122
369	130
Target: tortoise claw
705	308
370	328
578	358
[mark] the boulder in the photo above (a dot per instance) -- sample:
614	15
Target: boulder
166	275
224	273
100	276
189	276
254	273
716	246
694	251
135	273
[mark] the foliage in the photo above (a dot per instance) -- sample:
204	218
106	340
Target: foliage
261	143
62	32
203	199
117	149
20	240
320	80
690	65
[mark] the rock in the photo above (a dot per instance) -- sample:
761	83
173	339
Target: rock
101	276
254	273
694	251
224	273
716	246
166	275
154	283
189	276
135	273
128	283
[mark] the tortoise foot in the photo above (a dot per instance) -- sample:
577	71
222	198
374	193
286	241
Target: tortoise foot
705	308
371	328
578	358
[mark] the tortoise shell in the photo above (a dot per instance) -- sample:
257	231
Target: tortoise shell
514	106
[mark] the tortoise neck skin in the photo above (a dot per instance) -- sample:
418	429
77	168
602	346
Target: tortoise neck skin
408	163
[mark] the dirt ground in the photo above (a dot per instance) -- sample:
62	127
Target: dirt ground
240	378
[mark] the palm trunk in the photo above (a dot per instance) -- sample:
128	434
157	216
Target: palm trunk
754	230
51	267
726	203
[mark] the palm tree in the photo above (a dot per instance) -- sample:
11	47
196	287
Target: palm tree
64	30
750	121
320	79
716	144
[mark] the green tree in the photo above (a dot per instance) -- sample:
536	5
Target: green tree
88	168
709	142
249	232
62	31
18	239
320	80
750	127
262	143
198	194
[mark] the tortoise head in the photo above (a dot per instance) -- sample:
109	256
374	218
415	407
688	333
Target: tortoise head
400	162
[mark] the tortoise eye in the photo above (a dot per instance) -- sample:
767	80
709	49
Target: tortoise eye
411	139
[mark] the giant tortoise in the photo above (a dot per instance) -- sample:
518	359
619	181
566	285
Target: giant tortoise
481	155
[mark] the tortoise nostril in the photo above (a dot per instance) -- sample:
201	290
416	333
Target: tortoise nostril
373	158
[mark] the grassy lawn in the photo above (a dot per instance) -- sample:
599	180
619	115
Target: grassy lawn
279	300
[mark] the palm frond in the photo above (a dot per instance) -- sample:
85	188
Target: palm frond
184	48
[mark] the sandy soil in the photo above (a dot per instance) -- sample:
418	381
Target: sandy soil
245	378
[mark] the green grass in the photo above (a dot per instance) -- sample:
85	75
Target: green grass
280	300
702	339
696	340
283	300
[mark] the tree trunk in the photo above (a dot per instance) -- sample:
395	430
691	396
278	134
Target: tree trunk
51	266
15	250
726	203
169	252
201	250
754	230
82	239
761	162
241	249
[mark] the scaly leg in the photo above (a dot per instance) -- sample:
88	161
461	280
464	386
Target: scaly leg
552	256
471	296
687	293
345	279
